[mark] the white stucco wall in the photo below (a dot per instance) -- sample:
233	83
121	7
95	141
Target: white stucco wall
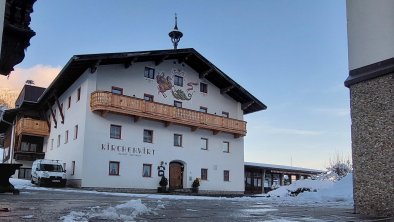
75	115
133	83
370	31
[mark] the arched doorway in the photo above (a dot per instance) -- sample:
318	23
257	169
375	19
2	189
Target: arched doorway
176	175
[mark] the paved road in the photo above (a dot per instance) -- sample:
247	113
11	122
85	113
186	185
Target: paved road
52	205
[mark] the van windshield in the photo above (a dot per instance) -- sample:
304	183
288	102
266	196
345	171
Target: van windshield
51	167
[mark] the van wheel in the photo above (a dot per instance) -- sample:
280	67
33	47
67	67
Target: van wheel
39	183
32	182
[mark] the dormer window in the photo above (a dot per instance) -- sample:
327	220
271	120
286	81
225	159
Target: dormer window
149	73
203	87
178	81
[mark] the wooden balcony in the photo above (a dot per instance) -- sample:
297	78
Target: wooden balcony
107	102
29	156
33	127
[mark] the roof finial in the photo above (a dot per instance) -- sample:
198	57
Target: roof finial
175	34
176	22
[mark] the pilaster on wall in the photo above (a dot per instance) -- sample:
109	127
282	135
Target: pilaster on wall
372	114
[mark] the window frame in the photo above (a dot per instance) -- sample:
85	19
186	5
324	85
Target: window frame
148	74
69	102
151	136
151	97
66	137
203	87
180	136
177	102
58	140
76	132
113	136
227	150
115	88
72	167
178	80
143	170
117	163
204	176
78	94
226	177
203	109
206	143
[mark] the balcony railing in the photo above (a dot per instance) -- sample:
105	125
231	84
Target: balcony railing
29	156
108	102
33	127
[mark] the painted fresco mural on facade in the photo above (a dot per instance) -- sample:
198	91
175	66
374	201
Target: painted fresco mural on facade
165	83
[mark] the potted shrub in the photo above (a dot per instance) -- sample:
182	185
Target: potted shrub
163	185
195	185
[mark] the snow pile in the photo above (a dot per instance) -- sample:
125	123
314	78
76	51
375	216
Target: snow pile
124	212
313	185
320	191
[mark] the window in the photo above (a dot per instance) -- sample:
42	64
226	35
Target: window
72	167
204	174
115	132
177	140
58	140
149	73
204	143
147	170
203	109
226	147
69	102
225	114
75	132
66	137
178	104
148	97
178	81
117	90
28	147
78	94
203	87
52	144
226	175
148	136
114	168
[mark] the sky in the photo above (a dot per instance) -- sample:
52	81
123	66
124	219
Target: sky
291	55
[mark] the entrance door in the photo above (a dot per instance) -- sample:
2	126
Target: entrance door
176	175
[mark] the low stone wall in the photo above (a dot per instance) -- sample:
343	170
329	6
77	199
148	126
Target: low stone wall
372	112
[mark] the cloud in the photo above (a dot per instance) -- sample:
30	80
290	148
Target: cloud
42	75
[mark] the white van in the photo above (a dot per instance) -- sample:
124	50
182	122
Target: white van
48	172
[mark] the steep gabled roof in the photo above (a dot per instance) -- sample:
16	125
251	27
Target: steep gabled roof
78	64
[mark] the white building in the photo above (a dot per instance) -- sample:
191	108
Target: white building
121	120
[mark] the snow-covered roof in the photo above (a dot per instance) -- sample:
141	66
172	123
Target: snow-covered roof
282	167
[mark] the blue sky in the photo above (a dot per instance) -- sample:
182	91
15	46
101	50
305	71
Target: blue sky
292	55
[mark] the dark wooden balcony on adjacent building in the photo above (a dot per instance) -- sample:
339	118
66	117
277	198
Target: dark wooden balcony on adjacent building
28	156
104	102
33	127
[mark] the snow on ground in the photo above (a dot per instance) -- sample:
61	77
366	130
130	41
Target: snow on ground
124	212
322	191
327	193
